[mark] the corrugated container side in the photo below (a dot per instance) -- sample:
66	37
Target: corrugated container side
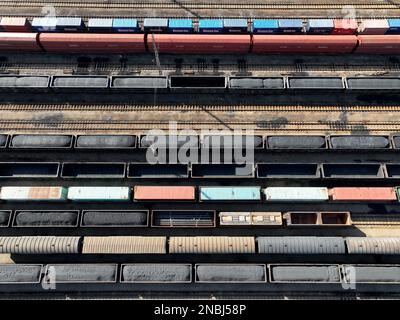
363	194
142	193
367	245
40	245
230	193
99	193
296	194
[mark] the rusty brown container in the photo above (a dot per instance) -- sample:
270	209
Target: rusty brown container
164	193
18	42
381	44
363	194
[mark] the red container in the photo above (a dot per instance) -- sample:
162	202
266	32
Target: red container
18	42
386	44
344	26
330	44
92	43
15	24
199	43
363	194
164	193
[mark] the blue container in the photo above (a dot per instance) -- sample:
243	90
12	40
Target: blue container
265	26
320	26
211	26
180	26
100	24
69	24
125	25
230	194
155	25
44	24
235	25
290	26
394	26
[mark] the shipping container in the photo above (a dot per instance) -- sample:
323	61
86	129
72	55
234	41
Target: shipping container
180	26
288	170
96	43
271	83
100	24
296	142
34	141
81	82
292	26
200	44
211	25
44	24
115	218
212	245
82	273
345	26
250	218
352	170
373	83
232	142
156	273
373	26
319	26
394	26
230	194
15	24
369	44
296	194
183	218
210	82
313	83
124	245
106	141
139	82
235	25
164	193
169	141
301	245
33	193
304	44
20	273
265	26
373	274
99	193
231	273
168	170
125	25
309	273
5	218
70	24
40	245
103	170
362	194
359	142
23	81
368	245
155	25
222	170
16	42
29	169
46	218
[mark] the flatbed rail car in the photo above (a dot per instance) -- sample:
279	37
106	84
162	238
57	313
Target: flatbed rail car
286	245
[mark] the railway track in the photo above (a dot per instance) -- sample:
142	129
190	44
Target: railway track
97	125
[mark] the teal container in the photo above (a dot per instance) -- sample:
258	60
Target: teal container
230	194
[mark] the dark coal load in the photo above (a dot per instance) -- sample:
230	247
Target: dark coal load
106	141
359	142
4	218
20	273
372	274
41	141
44	218
114	218
305	274
167	141
3	140
225	273
83	272
296	142
140	82
156	273
246	83
240	142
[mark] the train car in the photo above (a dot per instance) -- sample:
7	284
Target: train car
19	42
46	218
250	218
373	274
29	169
362	194
5	218
180	26
183	218
33	141
230	273
344	26
99	194
373	27
211	26
164	193
199	43
352	142
367	245
15	24
44	24
82	273
372	44
290	26
114	218
125	26
296	194
230	194
319	26
33	193
96	43
106	141
394	26
265	26
235	25
307	273
156	273
40	245
155	25
296	142
70	24
100	25
20	273
304	44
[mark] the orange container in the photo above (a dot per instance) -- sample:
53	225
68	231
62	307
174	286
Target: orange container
363	194
164	193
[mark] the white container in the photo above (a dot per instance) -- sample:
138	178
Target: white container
99	193
296	194
33	193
